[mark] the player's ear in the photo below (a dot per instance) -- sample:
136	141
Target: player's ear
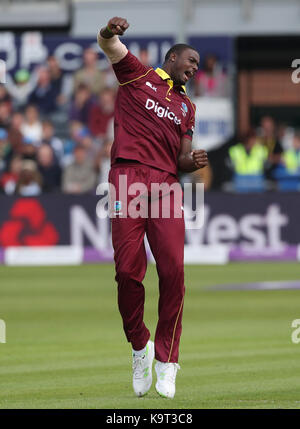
173	57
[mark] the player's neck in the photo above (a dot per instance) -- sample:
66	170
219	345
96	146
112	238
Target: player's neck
168	69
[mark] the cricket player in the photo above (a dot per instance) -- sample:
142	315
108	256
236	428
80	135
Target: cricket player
153	130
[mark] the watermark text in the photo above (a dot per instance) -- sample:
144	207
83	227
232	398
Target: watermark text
160	200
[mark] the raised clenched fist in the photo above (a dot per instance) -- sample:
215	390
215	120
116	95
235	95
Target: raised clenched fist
117	25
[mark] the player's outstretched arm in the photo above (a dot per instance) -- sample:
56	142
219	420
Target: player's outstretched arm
109	41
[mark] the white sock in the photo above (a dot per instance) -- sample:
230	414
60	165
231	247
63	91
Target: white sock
139	353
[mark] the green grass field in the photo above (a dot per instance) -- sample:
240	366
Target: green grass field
66	349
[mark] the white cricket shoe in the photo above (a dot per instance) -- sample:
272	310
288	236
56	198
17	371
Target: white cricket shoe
142	370
166	376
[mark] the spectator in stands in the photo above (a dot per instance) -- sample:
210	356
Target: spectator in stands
62	83
211	81
101	113
249	157
5	150
5	113
71	142
48	168
85	139
4	95
81	104
103	157
103	161
56	75
291	157
32	125
80	136
285	134
15	135
79	177
49	138
44	95
30	181
29	149
10	178
89	74
268	137
21	87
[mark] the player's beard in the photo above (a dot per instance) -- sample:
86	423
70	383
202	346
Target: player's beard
178	79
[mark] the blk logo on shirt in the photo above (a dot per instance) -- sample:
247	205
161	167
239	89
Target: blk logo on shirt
151	86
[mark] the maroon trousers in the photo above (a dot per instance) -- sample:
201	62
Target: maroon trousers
166	239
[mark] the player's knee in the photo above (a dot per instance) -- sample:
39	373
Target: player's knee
172	270
124	274
127	273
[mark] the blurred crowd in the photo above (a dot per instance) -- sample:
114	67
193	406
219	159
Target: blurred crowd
265	158
56	131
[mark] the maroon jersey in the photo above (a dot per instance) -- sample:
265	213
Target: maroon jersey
151	116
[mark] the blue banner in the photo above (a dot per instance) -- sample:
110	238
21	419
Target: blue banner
32	48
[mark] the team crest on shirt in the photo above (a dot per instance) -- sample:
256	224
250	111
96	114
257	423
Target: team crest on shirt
184	109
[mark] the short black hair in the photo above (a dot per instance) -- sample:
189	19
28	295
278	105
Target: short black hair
178	49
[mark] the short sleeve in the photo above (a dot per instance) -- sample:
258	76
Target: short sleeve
129	69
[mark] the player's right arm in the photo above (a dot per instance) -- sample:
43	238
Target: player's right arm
126	66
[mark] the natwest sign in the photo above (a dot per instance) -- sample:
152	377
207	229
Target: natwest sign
27	225
252	221
249	230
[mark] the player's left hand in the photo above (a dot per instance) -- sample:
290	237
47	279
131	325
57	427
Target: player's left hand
200	158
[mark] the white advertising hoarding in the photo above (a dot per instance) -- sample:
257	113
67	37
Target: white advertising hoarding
214	122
